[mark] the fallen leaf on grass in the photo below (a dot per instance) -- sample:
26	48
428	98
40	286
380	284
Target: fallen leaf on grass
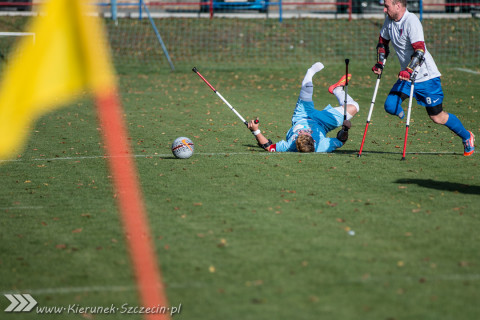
332	204
257	300
463	263
222	243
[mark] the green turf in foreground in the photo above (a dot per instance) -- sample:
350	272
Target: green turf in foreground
240	233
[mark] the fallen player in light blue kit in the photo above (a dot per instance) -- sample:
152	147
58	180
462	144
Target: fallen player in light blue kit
309	125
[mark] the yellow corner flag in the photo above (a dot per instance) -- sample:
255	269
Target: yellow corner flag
66	58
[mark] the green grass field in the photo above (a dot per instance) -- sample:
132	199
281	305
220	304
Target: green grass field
241	233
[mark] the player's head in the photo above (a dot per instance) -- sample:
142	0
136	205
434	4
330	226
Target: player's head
395	8
305	142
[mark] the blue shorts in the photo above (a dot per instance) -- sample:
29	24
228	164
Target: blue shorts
427	93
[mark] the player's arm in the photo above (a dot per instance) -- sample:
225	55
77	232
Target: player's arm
382	53
416	60
262	141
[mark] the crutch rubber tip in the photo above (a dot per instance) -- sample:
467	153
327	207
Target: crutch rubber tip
194	69
403	159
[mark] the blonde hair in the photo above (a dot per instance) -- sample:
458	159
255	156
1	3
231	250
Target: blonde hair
305	143
403	2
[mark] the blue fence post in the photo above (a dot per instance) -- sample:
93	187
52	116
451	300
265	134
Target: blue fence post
140	2
113	9
280	19
421	9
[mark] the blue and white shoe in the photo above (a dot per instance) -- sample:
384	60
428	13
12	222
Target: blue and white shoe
469	145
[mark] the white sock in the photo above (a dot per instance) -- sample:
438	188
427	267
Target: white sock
316	67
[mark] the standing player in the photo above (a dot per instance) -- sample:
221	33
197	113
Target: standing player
309	125
405	31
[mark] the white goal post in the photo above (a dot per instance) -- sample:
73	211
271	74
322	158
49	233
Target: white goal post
17	34
4	49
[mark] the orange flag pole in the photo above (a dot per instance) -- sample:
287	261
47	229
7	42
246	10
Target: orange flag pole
150	285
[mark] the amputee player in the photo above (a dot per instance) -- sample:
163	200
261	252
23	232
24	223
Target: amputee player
404	30
309	125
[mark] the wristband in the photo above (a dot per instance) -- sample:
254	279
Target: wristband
256	132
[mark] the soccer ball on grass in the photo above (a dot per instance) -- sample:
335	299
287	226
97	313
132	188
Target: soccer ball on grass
183	148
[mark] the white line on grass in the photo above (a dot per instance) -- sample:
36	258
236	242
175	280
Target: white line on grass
21	208
467	70
70	290
67	290
167	155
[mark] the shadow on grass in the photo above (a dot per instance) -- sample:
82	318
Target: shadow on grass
442	185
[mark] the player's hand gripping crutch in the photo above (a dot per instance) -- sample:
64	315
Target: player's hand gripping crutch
221	97
412	79
379	77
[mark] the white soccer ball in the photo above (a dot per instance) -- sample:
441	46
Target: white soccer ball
183	148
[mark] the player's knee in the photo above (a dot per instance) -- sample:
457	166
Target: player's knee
436	120
341	110
437	115
353	107
440	118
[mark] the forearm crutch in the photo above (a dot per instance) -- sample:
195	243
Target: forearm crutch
371	108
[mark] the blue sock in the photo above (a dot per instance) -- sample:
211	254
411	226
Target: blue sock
454	124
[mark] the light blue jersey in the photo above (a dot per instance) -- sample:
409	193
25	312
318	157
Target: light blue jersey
318	123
